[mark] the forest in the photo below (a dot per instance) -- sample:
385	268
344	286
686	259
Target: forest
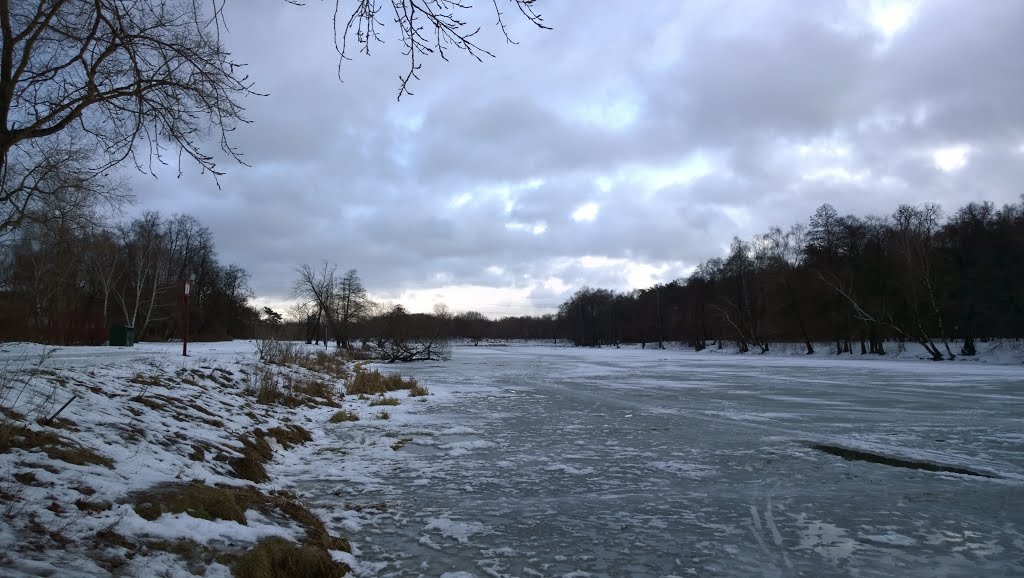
859	283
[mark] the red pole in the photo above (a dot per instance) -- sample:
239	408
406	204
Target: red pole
184	340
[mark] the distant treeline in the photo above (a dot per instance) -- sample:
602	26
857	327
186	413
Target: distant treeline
66	277
857	282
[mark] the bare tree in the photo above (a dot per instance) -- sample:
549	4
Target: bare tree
425	28
86	85
87	81
103	260
319	288
352	305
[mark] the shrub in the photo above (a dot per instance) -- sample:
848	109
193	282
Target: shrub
277	352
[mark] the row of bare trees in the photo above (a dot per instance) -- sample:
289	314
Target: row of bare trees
67	279
858	283
336	306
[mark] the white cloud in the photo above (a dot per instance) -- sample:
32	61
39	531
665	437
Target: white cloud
491	301
890	17
952	158
724	118
533	228
586	212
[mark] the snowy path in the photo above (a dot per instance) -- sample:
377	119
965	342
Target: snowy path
540	461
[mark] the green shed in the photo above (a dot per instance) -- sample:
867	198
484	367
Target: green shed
122	336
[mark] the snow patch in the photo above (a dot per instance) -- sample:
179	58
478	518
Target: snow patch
457	530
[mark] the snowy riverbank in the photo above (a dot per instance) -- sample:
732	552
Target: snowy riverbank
161	464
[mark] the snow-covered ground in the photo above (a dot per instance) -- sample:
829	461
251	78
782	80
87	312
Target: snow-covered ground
139	418
533	460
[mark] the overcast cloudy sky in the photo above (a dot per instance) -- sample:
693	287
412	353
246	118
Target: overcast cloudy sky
618	150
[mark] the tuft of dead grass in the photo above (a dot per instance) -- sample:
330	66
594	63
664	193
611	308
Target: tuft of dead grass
147	380
278	558
333	363
374	382
315	388
385	400
383	414
418	391
256	452
287	435
195	499
343	416
54	446
94	506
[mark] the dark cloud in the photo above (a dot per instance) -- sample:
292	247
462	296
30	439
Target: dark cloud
684	124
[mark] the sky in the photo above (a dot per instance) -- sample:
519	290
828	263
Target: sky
618	150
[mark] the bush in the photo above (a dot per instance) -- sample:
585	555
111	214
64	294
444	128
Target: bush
277	352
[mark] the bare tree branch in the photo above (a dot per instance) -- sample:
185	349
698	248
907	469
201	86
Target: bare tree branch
425	28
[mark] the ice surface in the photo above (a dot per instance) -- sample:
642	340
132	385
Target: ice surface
558	461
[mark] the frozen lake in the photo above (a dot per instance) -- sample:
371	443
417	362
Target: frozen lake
552	461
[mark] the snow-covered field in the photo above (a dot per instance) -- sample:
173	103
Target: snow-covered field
532	460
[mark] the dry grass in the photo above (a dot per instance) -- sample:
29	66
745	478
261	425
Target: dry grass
256	452
385	400
383	414
287	435
270	385
400	443
278	558
195	499
333	363
147	380
343	416
312	387
53	445
418	391
272	557
375	382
